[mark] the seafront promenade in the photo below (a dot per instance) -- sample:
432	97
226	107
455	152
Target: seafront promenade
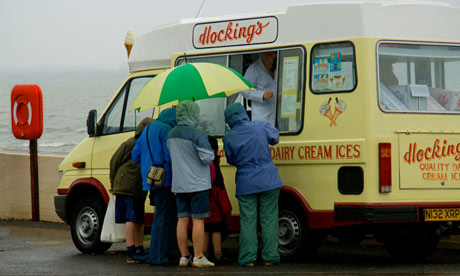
15	195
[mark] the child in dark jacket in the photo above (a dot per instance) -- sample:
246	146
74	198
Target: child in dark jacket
220	208
126	184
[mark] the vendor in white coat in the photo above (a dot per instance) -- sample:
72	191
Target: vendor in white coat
261	74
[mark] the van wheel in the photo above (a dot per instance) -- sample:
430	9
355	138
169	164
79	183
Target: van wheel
295	238
86	226
411	242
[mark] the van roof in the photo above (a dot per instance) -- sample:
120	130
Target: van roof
414	20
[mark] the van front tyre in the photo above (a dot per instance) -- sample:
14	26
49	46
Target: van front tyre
86	226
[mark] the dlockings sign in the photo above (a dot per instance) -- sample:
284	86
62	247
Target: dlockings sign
235	32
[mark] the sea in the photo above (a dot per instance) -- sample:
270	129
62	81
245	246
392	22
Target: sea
68	95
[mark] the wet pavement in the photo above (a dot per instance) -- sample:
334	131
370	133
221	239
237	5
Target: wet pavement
40	248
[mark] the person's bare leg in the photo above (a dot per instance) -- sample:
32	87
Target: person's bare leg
182	236
198	237
217	242
129	234
139	235
206	242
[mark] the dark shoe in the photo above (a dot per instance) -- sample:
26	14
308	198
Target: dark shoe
222	260
143	254
135	258
173	260
140	251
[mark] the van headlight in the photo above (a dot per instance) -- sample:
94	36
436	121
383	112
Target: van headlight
59	177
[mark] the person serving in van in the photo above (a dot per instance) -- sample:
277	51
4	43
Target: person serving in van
261	74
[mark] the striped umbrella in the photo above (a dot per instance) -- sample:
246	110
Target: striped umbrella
190	81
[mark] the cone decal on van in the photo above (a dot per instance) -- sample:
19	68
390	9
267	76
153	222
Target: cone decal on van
325	110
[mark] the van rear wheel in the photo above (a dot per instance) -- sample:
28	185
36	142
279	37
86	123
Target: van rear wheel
295	238
86	226
411	242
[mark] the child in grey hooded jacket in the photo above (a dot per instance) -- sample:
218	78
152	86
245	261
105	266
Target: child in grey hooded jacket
191	154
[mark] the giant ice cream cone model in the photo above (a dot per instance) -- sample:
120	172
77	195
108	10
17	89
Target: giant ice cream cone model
340	107
325	109
128	48
129	40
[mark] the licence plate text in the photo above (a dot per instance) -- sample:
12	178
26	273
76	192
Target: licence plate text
441	214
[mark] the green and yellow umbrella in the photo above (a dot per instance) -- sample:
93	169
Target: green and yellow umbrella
190	81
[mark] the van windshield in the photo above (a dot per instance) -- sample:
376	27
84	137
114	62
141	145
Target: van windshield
118	118
419	77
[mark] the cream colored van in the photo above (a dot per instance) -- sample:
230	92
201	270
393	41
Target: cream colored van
368	109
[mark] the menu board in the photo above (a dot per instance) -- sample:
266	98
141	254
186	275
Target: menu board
330	73
289	87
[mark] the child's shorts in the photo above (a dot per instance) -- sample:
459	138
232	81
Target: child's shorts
127	210
195	205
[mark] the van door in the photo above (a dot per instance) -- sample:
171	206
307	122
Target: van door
419	85
116	125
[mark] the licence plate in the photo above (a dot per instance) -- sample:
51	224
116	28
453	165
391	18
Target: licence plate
441	214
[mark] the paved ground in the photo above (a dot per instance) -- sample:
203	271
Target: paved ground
39	248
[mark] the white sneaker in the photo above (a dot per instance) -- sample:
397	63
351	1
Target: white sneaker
202	262
185	261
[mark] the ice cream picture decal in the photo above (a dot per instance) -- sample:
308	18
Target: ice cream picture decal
325	110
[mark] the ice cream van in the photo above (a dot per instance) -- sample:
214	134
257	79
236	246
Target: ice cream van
368	109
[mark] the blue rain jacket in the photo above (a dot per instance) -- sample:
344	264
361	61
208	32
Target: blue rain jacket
158	132
246	146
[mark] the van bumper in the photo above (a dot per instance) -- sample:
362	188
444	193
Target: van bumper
60	206
375	213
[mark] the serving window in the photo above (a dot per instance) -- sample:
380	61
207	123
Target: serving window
333	68
288	68
419	78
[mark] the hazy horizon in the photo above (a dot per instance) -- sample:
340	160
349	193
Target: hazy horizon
83	34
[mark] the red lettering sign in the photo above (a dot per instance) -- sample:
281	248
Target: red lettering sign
437	151
235	32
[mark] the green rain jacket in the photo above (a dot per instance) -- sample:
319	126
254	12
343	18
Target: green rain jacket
125	174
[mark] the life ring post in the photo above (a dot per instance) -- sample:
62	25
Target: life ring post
27	124
34	180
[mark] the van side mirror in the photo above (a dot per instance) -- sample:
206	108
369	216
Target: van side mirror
91	123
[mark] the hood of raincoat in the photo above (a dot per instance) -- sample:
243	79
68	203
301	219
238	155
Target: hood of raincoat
145	122
188	113
168	116
235	113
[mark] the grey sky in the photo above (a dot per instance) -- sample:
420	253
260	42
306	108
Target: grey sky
90	33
